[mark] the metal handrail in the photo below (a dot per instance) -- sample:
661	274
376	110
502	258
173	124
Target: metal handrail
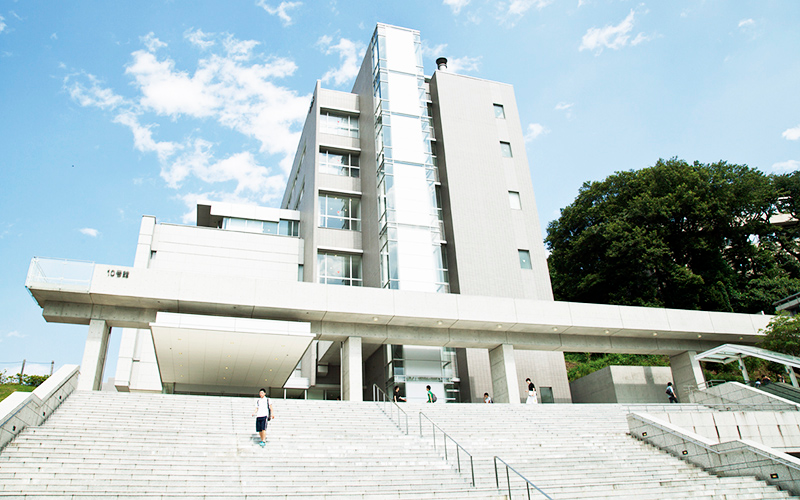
684	437
445	437
528	482
377	393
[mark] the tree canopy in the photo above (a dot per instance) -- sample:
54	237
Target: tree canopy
680	235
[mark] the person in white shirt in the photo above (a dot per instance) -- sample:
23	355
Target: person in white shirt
263	413
532	399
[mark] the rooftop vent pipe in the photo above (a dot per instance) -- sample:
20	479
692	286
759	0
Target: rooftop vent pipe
441	63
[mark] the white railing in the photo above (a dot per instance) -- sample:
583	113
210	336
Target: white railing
61	274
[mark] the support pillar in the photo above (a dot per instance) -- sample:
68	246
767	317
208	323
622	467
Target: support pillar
352	370
744	370
504	374
792	376
94	356
686	372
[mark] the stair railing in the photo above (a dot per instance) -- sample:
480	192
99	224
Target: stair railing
528	483
445	437
384	402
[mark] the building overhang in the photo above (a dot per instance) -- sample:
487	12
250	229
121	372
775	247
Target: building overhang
131	297
730	353
226	352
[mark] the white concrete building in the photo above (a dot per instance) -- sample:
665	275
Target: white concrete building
406	252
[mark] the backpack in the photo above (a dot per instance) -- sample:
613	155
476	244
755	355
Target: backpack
433	397
670	391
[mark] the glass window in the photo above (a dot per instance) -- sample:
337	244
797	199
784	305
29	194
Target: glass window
525	259
338	164
339	269
499	112
513	199
338	124
339	212
505	149
289	227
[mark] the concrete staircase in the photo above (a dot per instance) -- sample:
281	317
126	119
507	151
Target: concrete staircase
579	452
115	445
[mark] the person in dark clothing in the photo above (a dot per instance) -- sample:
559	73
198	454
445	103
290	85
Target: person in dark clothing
397	397
673	398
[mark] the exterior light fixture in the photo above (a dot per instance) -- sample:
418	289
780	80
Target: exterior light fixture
555	328
438	322
607	332
684	452
644	434
699	336
655	334
375	318
499	326
773	475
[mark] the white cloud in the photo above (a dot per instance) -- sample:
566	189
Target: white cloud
535	130
280	10
171	92
239	50
562	106
463	64
456	5
611	37
784	167
520	7
199	38
2	24
349	54
88	231
746	22
151	42
16	334
792	134
251	179
54	36
433	52
93	95
143	137
227	88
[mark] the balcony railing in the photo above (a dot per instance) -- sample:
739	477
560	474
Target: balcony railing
60	274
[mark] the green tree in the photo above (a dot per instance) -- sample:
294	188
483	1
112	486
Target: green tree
678	235
783	334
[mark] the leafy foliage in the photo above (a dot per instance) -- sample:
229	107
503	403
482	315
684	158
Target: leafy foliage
783	335
581	364
679	235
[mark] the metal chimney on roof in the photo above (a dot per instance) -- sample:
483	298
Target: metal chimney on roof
441	63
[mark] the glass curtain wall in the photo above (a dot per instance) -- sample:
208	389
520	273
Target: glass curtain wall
411	234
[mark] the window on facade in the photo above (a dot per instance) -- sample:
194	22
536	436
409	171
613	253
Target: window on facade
284	227
339	269
339	212
513	199
525	259
345	164
505	149
338	124
499	112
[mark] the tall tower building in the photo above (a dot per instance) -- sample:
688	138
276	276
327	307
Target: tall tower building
416	183
419	184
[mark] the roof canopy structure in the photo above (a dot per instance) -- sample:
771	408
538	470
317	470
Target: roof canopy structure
730	353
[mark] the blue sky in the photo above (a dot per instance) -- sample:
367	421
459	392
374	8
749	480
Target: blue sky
112	110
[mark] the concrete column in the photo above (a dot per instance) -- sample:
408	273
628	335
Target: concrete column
94	356
352	370
504	374
792	376
743	368
686	372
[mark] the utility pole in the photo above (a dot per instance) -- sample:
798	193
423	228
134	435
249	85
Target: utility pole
21	372
51	367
